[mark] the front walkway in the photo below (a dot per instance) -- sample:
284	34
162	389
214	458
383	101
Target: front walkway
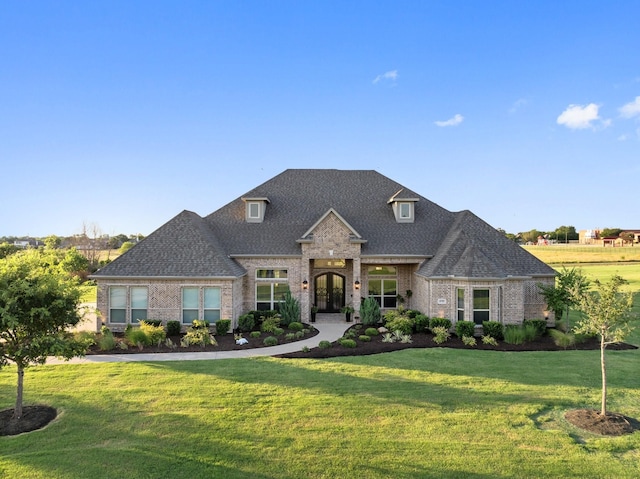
330	327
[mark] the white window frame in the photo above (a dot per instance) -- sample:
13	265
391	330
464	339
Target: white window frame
481	310
129	305
201	307
460	307
273	277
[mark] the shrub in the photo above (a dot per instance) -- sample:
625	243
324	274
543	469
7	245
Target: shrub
364	338
170	344
412	313
489	340
299	334
348	343
173	328
324	344
270	324
370	312
305	349
86	338
562	339
155	333
421	323
296	326
270	341
137	337
540	326
401	323
530	332
439	323
290	336
465	328
246	322
403	337
493	329
469	341
199	324
223	326
153	322
198	334
371	332
255	334
440	334
514	334
349	334
289	310
388	338
277	331
390	315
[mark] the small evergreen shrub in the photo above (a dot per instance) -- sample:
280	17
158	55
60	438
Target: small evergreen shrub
296	326
469	341
173	328
223	326
412	313
277	331
305	349
465	328
371	332
421	323
289	310
489	340
440	334
324	344
349	334
255	334
348	343
364	338
246	322
270	341
493	329
370	312
439	323
153	322
401	323
270	324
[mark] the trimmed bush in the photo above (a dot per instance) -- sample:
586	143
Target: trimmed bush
277	331
296	326
493	329
270	341
439	323
364	338
348	343
255	334
465	328
421	323
370	312
173	328
223	326
324	344
371	332
401	323
412	313
246	322
539	324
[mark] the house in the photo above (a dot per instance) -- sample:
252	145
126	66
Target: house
333	238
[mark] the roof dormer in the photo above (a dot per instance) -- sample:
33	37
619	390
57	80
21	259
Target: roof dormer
403	208
255	209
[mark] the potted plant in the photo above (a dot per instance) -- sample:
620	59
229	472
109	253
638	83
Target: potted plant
347	310
314	311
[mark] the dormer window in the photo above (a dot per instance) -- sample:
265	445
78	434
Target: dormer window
255	209
403	208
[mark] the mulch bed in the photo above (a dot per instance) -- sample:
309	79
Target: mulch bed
33	418
610	425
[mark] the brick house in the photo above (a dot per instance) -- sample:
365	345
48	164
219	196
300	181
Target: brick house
331	237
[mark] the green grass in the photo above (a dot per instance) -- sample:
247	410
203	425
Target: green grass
568	254
410	414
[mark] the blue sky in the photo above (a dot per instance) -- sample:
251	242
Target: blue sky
122	114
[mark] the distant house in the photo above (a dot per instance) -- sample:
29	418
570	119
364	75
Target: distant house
332	238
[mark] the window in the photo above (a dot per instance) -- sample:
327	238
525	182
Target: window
405	210
271	287
135	306
138	304
253	210
117	304
460	304
480	305
201	303
384	291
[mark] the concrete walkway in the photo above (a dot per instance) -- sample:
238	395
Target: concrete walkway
330	329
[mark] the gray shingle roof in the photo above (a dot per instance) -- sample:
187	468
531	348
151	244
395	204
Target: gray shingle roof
460	243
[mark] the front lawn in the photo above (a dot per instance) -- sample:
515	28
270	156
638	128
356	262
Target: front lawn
409	414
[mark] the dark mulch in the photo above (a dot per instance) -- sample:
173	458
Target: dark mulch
610	425
33	418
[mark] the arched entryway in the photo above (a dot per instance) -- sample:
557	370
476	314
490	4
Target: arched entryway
329	292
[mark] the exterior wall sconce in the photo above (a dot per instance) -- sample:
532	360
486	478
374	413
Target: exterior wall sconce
546	315
305	284
357	284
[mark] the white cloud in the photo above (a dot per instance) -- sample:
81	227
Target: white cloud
578	117
390	75
631	109
455	121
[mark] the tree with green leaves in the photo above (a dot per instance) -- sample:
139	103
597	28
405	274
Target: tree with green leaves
560	296
38	304
606	312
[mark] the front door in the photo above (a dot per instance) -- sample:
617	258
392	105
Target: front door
329	293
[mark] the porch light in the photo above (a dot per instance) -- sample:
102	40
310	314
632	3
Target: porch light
305	284
357	284
546	315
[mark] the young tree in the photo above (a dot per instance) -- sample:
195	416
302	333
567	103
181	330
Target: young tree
560	297
38	303
606	312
